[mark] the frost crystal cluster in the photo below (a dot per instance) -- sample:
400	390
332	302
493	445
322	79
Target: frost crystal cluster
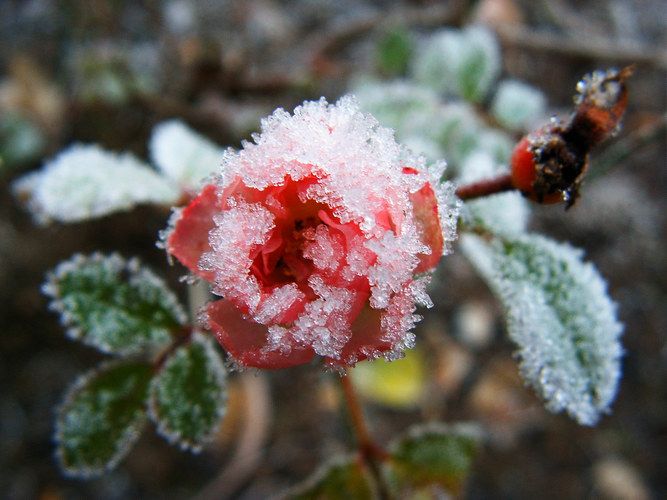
317	236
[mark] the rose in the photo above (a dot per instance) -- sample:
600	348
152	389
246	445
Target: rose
313	236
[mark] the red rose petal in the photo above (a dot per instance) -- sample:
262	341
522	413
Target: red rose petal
189	239
366	337
245	340
426	214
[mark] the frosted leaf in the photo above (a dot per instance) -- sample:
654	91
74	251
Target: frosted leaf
517	105
102	417
455	128
500	213
114	305
560	315
395	103
463	63
404	106
183	155
189	394
431	458
85	182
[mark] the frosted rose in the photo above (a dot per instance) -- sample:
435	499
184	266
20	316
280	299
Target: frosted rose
313	236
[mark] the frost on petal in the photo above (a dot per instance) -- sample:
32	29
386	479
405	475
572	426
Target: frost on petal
85	182
246	341
182	155
238	233
560	315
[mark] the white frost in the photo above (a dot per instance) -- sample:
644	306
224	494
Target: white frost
85	182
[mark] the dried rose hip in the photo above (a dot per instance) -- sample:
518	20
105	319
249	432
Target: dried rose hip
548	165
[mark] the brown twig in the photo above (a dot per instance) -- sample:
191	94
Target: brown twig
595	47
370	453
486	187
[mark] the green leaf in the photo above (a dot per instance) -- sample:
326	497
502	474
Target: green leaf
463	63
114	305
189	394
341	479
85	182
21	140
102	417
434	457
394	51
560	315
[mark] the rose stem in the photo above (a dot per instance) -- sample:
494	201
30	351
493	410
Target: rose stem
369	451
485	187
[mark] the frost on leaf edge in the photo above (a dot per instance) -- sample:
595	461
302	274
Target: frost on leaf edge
125	444
137	273
171	435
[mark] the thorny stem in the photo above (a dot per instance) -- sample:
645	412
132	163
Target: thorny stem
486	187
370	452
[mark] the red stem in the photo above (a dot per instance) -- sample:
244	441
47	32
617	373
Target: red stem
367	447
486	187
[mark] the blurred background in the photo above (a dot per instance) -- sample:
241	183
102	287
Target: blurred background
107	71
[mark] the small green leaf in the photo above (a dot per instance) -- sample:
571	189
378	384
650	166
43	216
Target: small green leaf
394	51
102	417
189	394
341	479
431	456
114	305
560	315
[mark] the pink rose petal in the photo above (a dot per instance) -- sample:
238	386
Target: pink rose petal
246	341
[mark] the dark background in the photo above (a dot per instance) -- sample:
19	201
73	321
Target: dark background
106	71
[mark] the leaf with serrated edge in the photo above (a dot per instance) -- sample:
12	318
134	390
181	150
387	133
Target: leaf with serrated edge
189	394
183	155
114	305
102	417
432	455
560	315
342	478
85	182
